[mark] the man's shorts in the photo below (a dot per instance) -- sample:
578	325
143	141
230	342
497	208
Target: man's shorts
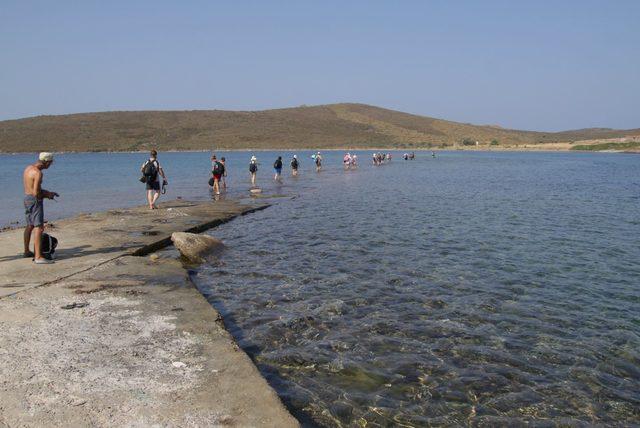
34	211
154	185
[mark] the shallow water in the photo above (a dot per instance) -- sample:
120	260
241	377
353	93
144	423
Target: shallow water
471	288
91	182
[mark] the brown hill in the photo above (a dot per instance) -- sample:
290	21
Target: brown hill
325	127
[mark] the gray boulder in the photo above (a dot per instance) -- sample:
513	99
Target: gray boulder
196	247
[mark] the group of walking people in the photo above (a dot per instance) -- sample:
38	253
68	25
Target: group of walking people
350	161
156	182
277	168
380	158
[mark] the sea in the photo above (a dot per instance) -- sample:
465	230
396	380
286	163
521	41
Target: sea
469	288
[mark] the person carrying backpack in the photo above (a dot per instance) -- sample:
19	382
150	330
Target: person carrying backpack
253	170
294	165
217	171
277	167
151	172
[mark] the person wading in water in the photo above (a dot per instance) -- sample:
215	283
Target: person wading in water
34	206
217	170
253	169
318	160
223	161
277	167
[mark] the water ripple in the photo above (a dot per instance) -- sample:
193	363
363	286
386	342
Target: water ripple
473	289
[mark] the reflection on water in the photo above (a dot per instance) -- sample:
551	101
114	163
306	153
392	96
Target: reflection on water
467	289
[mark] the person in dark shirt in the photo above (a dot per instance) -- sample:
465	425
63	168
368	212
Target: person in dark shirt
277	167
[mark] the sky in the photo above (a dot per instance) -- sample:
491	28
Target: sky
538	65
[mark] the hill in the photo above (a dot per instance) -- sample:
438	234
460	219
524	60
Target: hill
322	127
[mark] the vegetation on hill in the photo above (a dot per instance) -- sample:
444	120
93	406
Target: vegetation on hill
630	145
335	126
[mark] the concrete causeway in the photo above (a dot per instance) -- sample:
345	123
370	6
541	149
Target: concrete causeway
106	338
88	240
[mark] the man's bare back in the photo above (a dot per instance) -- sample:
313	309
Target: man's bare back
32	180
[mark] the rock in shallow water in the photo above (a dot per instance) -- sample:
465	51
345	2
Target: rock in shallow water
195	247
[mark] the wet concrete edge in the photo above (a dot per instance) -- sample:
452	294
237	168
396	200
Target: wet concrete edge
166	242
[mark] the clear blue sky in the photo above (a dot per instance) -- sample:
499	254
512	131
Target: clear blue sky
543	65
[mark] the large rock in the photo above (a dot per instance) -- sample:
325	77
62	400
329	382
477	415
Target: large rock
196	247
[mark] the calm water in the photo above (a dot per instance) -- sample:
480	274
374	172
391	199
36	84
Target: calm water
475	288
90	182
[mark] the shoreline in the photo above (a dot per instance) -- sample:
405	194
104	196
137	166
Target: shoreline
534	149
115	332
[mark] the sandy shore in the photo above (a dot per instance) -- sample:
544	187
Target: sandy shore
108	338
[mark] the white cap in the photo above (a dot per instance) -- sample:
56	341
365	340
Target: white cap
253	158
46	157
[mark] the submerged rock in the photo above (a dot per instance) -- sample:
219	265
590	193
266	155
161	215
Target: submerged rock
195	247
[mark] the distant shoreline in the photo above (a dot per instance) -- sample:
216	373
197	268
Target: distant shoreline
343	126
536	149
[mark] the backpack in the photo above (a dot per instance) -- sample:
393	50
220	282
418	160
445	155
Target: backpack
48	246
218	169
253	167
150	171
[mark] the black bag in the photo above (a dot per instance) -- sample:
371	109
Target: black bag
48	246
211	181
150	171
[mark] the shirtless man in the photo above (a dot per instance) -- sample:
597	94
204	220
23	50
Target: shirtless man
34	207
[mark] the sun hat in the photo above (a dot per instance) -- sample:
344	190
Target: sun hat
46	157
253	158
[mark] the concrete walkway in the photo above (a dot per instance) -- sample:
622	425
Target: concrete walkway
119	340
86	241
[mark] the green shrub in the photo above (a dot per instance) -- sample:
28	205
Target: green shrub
494	142
608	146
